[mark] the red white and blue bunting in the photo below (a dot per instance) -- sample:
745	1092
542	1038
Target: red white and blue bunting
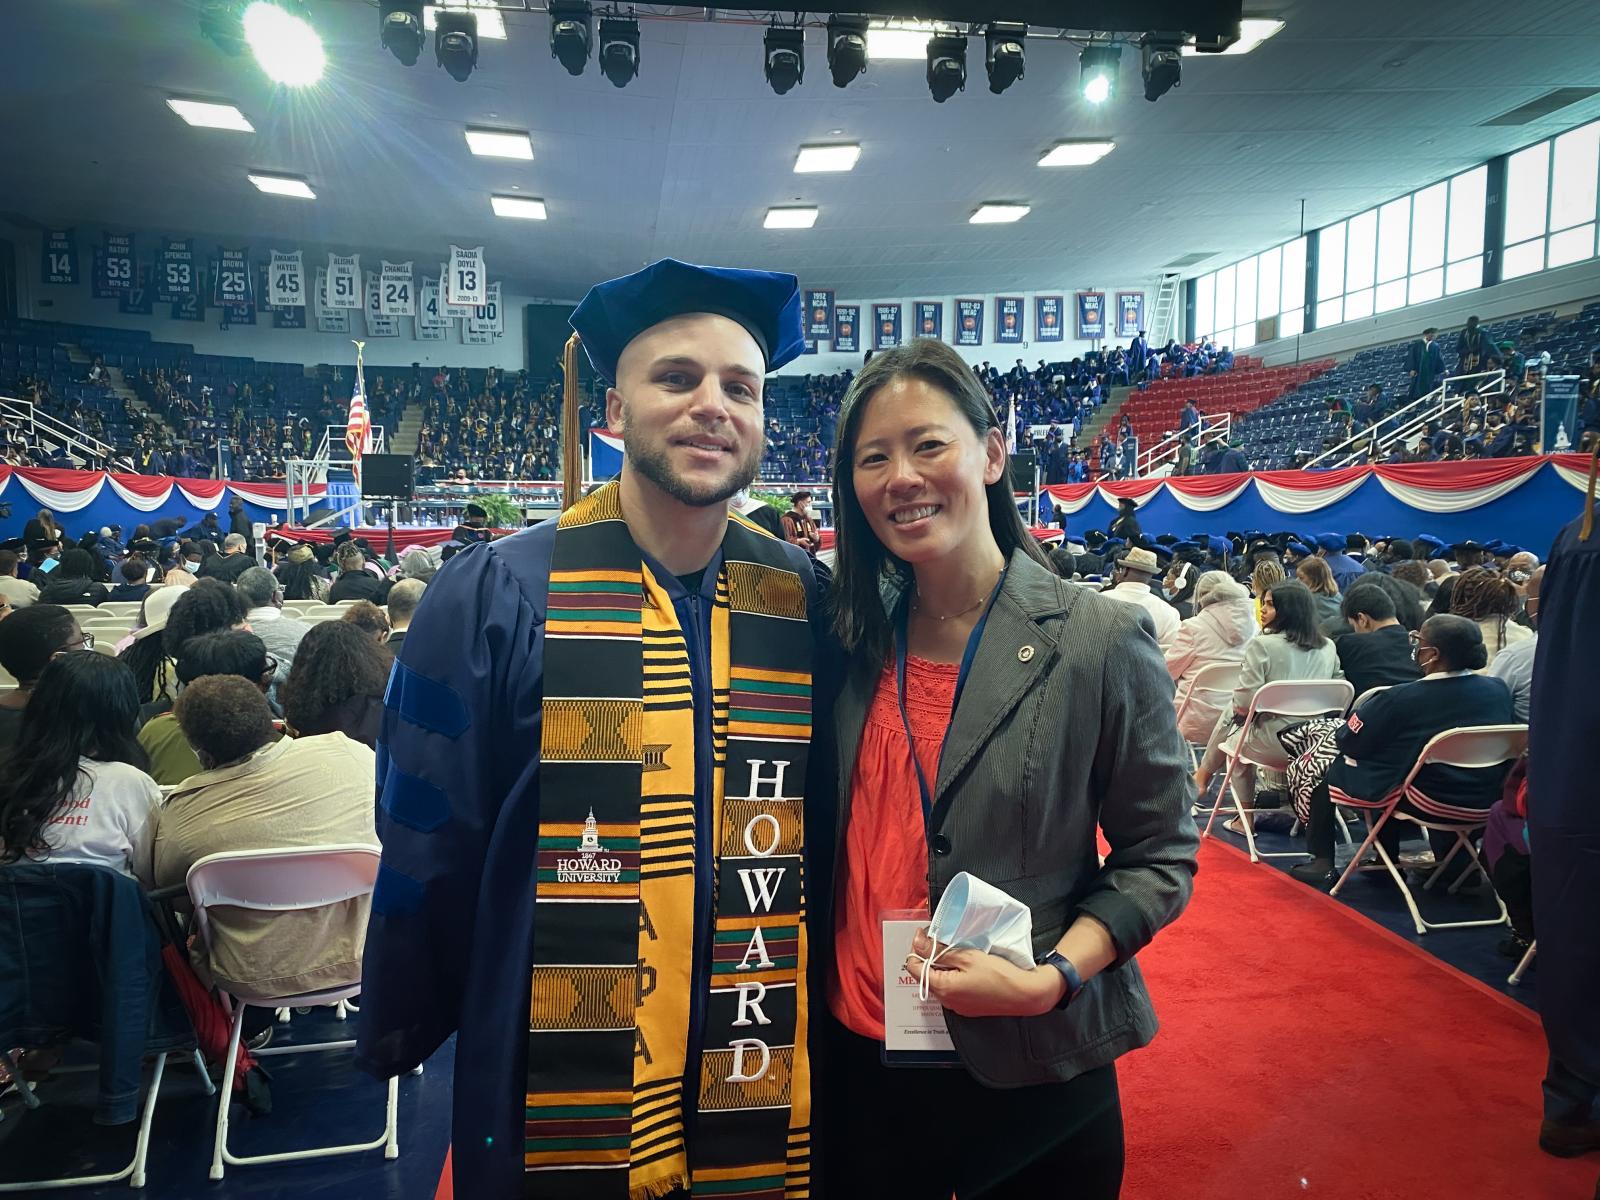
64	491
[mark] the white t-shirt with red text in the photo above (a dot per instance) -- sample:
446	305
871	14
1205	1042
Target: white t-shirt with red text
107	821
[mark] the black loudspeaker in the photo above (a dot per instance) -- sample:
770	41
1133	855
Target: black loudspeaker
1022	466
386	477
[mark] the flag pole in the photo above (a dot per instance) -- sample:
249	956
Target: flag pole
360	387
571	433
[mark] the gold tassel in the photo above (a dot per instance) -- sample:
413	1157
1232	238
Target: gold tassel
1588	503
571	435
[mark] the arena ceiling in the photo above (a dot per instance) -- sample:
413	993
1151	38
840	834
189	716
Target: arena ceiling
1352	103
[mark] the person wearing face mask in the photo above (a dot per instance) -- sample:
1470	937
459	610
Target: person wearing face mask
1380	742
994	718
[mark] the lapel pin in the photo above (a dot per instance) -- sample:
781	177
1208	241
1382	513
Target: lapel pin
1025	654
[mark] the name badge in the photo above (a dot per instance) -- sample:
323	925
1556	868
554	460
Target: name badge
915	1034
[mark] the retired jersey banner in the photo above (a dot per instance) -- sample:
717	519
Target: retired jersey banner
398	298
477	337
927	319
379	325
1130	313
138	300
819	313
177	272
1049	318
467	279
969	322
116	260
488	317
448	308
59	264
192	308
291	316
344	281
885	326
427	331
1091	316
231	285
286	281
1008	320
329	319
430	312
847	328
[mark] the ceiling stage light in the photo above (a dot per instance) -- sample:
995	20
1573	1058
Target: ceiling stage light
1161	63
947	65
785	57
571	33
1003	54
1097	72
284	43
847	48
455	42
400	29
619	49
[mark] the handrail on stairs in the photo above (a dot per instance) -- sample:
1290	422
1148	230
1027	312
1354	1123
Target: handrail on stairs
1423	409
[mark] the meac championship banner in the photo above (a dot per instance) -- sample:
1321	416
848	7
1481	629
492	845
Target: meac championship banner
885	326
1008	320
847	328
819	313
1049	319
969	322
1130	313
927	319
1091	316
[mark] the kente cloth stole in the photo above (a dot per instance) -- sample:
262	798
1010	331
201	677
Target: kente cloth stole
614	976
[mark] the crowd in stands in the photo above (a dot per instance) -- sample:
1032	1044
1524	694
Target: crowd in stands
489	424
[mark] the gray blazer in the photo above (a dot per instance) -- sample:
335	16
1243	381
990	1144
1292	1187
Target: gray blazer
1066	725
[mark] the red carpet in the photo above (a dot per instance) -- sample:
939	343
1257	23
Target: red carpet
1305	1052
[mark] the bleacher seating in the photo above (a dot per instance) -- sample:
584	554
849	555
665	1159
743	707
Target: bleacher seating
1154	411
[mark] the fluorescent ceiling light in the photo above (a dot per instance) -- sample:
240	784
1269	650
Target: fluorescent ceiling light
826	158
282	185
518	206
999	214
790	218
490	23
1076	154
902	40
284	43
499	143
204	114
1252	32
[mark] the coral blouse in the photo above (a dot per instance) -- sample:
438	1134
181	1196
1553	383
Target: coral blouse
885	863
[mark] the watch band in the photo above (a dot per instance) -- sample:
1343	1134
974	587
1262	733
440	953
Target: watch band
1068	972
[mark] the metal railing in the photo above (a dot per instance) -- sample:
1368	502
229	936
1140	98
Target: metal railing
42	425
1213	426
1427	407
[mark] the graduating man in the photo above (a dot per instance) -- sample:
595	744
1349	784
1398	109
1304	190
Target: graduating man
592	763
1424	364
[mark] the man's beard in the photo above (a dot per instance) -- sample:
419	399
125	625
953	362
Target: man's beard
652	462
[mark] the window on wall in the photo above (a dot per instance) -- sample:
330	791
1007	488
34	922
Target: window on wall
1551	202
1229	302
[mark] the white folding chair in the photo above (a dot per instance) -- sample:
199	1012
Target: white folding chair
1299	699
1369	694
1475	747
1213	677
1522	967
285	881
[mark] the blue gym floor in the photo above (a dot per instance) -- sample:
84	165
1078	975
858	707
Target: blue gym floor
320	1097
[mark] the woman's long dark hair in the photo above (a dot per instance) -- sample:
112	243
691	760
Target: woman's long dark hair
296	580
84	706
862	561
1295	615
335	661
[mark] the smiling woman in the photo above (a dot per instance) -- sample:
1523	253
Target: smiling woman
996	721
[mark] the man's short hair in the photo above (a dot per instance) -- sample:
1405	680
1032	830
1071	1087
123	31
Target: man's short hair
228	652
476	510
234	541
8	561
799	496
1430	331
404	597
1367	600
257	586
30	637
1400	550
135	569
224	717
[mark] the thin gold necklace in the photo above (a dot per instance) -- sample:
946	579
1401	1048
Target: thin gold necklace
917	604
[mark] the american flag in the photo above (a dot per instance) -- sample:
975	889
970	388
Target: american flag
358	429
1011	425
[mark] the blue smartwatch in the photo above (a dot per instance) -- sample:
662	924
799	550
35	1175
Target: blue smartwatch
1068	972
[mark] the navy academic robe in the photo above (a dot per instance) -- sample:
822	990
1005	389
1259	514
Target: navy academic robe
451	933
1427	360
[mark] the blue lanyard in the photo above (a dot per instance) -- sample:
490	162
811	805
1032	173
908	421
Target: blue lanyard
900	639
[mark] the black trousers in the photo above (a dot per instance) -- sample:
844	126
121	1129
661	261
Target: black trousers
923	1133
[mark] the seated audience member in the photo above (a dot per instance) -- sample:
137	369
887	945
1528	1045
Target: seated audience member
1318	578
19	593
1483	596
355	582
206	606
337	683
135	585
1513	666
231	563
799	526
1376	748
228	652
1415	573
301	575
73	788
418	563
1267	573
1223	623
73	581
1130	584
257	792
1290	647
404	597
279	631
1179	584
1377	650
29	641
364	614
144	651
474	526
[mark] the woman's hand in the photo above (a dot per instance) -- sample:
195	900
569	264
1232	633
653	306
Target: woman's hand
971	983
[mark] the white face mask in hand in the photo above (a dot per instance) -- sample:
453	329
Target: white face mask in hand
974	915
